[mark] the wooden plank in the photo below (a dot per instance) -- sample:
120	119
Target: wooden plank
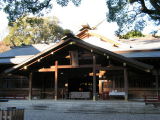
56	80
71	66
98	67
126	84
46	70
94	78
10	114
1	115
52	69
114	42
4	115
109	68
30	86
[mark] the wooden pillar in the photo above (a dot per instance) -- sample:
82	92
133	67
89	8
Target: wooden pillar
126	84
114	84
56	80
30	86
94	78
157	83
100	86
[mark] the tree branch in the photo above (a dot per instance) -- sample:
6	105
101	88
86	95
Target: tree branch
146	10
26	1
155	4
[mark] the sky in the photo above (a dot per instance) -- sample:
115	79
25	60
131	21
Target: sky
87	13
72	17
3	25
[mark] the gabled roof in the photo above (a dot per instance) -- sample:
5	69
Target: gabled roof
73	40
19	54
24	50
141	54
143	43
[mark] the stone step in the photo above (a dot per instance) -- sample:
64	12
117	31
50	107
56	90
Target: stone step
85	106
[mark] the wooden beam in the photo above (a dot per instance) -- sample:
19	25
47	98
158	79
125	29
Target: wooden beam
94	78
110	68
126	84
30	86
71	66
52	69
56	80
46	70
98	67
114	42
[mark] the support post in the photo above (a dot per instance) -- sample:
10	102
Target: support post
157	84
126	84
30	86
56	80
100	86
94	78
114	84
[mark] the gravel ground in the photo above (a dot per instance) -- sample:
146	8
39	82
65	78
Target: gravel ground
52	115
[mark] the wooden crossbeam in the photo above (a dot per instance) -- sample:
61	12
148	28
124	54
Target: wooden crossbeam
71	66
46	70
110	68
52	69
98	67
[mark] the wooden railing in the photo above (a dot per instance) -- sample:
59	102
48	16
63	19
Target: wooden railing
11	114
152	99
8	97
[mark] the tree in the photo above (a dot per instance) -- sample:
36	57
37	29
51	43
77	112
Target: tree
33	30
153	10
131	34
133	14
17	8
129	14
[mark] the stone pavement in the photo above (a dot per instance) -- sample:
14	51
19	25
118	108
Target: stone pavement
85	110
52	115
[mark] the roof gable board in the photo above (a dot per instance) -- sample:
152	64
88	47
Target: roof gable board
131	62
37	56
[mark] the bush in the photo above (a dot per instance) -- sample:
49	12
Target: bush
132	34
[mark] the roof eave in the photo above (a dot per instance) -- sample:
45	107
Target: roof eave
129	61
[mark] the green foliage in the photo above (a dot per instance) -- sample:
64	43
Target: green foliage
127	18
17	8
131	34
33	30
131	14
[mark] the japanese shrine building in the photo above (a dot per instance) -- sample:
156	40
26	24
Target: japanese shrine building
76	69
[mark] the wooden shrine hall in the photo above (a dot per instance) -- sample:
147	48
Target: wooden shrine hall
75	69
